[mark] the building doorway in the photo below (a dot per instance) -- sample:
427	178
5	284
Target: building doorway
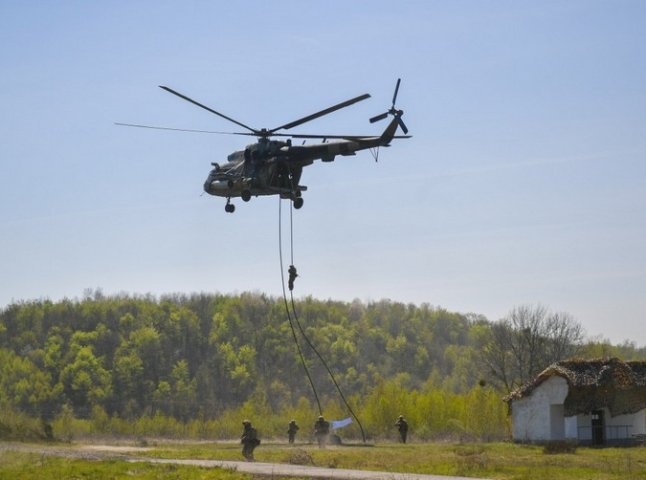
597	428
557	422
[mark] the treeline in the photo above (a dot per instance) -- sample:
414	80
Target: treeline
208	357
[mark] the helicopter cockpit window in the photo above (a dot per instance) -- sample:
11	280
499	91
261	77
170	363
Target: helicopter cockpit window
235	156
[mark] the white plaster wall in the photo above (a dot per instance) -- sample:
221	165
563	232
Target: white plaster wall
636	421
639	424
531	415
571	427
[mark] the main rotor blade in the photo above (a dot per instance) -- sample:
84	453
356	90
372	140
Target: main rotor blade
336	137
396	91
184	97
334	108
180	129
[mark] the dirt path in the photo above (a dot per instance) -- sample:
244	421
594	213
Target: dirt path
272	470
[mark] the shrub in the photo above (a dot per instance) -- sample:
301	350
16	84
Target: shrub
300	457
21	427
559	446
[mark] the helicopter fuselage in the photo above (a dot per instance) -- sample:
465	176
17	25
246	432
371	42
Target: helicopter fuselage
260	169
271	167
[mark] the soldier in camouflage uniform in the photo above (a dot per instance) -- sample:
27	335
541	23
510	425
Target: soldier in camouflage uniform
249	440
321	431
402	426
292	428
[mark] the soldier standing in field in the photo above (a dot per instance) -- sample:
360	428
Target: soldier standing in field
292	428
321	431
249	440
402	426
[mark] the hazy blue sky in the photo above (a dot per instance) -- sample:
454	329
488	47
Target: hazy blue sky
525	181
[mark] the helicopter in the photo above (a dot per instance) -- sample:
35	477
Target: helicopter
274	167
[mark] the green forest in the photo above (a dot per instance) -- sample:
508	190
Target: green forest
196	365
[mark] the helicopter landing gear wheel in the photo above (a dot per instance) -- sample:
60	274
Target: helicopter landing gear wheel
298	203
229	207
245	195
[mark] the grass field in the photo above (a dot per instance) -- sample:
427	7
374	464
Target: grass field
490	460
32	466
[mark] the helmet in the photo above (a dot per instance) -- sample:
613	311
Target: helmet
246	422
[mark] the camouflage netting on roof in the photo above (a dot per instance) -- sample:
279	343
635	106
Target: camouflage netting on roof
595	384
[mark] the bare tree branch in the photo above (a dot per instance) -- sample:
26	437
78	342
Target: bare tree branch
526	341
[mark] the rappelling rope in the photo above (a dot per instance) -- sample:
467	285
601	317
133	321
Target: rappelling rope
289	317
298	323
338	388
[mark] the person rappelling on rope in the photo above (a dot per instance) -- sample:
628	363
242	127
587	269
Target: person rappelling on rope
292	277
321	431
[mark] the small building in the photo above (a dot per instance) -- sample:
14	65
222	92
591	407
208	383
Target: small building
596	402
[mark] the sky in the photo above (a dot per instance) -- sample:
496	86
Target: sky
524	182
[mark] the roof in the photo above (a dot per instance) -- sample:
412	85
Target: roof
594	384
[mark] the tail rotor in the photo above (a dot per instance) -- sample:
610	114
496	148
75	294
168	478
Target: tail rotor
393	111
